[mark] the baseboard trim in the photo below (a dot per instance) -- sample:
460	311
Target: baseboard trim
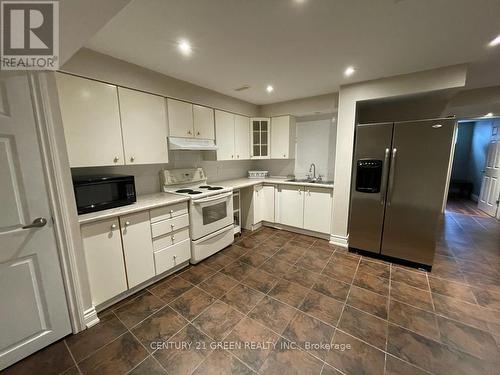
474	197
323	236
90	317
339	240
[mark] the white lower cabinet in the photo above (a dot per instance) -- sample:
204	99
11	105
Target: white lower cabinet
318	209
137	247
172	256
104	257
290	205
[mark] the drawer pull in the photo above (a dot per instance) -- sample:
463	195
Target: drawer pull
113	226
173	238
172	226
127	223
171	211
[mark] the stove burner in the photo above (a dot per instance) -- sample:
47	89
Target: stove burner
204	187
184	191
215	188
194	192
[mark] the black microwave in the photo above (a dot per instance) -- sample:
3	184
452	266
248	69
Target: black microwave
100	192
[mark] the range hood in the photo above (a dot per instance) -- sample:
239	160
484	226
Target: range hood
178	143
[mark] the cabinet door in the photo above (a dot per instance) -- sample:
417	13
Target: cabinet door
137	247
291	205
280	137
267	203
258	196
203	118
318	209
242	137
260	138
91	121
102	246
144	127
180	118
224	132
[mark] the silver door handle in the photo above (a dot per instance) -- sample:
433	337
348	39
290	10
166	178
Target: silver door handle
385	169
391	176
37	223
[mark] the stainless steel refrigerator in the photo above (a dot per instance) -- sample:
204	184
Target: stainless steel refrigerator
399	180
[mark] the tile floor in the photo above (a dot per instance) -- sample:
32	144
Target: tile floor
285	294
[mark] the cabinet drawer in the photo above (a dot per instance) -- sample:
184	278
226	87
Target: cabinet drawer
170	239
168	212
172	256
170	225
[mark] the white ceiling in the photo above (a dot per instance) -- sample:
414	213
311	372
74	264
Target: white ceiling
300	46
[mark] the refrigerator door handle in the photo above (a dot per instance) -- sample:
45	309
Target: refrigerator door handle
385	169
391	176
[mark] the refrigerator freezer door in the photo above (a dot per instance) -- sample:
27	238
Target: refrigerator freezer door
370	170
420	158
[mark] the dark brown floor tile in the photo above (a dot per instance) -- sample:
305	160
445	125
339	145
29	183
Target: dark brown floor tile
464	312
272	314
395	366
238	270
233	252
276	267
306	330
54	359
468	339
452	289
217	261
487	298
324	244
329	370
339	271
148	367
275	242
332	288
196	274
361	358
130	298
187	349
118	357
72	371
289	253
248	242
266	249
285	360
367	301
249	331
91	339
410	295
260	280
446	268
322	307
221	362
242	298
192	303
253	258
160	326
171	289
301	277
346	259
374	268
420	321
411	278
366	327
431	355
218	320
218	284
309	240
139	309
288	292
314	259
482	268
284	234
372	283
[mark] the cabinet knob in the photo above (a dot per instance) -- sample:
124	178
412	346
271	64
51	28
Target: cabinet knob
197	133
172	226
232	156
171	211
132	158
238	156
284	155
189	131
173	238
113	226
116	159
299	191
127	223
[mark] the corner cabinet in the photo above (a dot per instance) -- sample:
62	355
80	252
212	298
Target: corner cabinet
260	148
283	138
232	136
258	205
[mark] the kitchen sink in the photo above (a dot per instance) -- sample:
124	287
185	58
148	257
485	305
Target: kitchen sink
309	181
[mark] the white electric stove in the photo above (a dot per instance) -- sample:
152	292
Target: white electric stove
210	210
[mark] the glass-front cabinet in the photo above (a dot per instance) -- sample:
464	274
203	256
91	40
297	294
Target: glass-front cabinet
260	137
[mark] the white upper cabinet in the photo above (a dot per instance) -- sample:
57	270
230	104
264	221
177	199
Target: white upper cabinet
318	209
260	138
289	205
144	127
203	118
283	137
242	137
91	121
180	118
224	132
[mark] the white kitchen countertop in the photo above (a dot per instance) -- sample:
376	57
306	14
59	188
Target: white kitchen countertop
240	183
144	202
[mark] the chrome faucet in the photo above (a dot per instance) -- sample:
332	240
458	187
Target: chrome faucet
313	168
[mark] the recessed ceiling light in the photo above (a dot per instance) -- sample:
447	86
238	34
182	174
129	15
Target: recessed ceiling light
495	42
489	114
349	71
184	47
269	88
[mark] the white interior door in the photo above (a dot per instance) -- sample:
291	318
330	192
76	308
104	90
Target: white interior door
34	311
490	186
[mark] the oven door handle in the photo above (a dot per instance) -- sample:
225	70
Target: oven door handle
212	199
